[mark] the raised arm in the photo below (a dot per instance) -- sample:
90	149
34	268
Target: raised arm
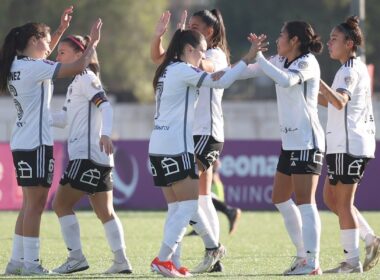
65	23
157	51
77	67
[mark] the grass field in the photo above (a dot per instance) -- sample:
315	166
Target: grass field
260	249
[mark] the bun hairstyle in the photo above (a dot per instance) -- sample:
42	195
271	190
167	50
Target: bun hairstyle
352	31
310	41
214	19
79	44
16	42
180	39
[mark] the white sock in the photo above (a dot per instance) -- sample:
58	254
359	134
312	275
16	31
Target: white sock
31	251
71	235
205	202
350	243
115	237
18	248
366	232
176	257
311	231
293	224
176	227
200	224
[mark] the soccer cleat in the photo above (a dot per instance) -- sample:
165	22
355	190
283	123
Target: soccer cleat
233	218
210	258
184	271
124	267
37	270
13	268
345	267
165	268
372	254
297	261
218	267
72	265
305	268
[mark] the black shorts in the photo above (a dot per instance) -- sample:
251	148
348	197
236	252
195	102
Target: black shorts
34	168
207	150
345	168
167	170
300	162
87	176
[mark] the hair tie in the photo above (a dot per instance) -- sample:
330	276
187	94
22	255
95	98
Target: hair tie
76	42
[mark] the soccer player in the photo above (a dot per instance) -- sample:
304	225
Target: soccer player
26	73
89	115
171	146
208	128
350	138
296	73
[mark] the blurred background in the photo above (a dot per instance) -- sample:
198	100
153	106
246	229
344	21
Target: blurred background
251	125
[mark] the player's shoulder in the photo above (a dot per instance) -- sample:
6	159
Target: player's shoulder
306	61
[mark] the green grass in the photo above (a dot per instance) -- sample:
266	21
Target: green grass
260	249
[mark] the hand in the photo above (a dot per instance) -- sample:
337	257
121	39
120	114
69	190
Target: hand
217	75
162	24
182	24
258	44
105	144
95	32
66	18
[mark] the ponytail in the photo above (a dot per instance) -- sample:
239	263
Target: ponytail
309	40
16	42
180	39
214	19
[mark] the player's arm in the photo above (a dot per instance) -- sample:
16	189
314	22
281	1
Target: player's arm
322	100
157	51
72	69
337	98
65	22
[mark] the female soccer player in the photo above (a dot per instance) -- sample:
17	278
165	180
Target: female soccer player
171	146
208	128
89	116
26	73
350	138
296	73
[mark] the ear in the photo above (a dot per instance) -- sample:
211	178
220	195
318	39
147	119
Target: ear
350	44
189	48
209	32
33	40
294	40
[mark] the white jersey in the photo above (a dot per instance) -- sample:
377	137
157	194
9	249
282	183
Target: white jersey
84	94
176	97
352	129
208	112
297	87
30	84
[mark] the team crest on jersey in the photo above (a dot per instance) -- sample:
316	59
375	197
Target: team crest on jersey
48	61
303	65
196	69
348	80
96	83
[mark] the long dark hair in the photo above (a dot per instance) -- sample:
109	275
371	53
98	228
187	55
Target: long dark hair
214	19
16	41
352	31
310	41
175	49
79	44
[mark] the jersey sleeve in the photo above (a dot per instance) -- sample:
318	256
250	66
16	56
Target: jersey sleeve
347	80
218	59
198	78
305	68
45	69
92	87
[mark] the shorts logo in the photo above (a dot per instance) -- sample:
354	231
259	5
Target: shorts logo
25	169
354	167
154	171
317	158
212	156
170	166
91	177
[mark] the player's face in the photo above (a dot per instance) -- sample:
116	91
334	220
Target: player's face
43	46
67	54
338	45
284	46
195	55
196	23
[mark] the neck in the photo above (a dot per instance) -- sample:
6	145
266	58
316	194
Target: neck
345	58
27	53
293	55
